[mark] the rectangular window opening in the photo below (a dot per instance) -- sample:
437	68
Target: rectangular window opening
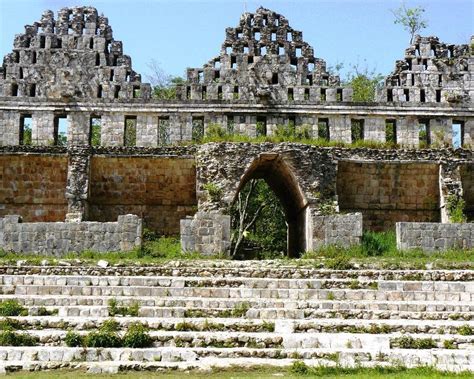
310	79
130	131
99	91
97	59
114	60
25	129
233	62
257	36
438	96
246	50
42	42
422	96
275	78
357	130
292	123
91	43
261	127
298	52
32	90
61	126
112	73
163	130
116	92
412	79
17	57
289	36
204	93
281	50
200	76
458	134
409	63
440	79
21	73
273	36
389	95
188	92
424	136
33	57
323	94
323	129
391	132
230	124
339	94
236	93
263	50
406	92
136	92
217	74
197	132
306	93
219	93
95	131
425	64
14	89
291	95
250	59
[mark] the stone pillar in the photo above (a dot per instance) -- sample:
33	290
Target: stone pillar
42	128
113	129
147	131
10	128
450	188
407	132
374	129
77	188
79	128
340	128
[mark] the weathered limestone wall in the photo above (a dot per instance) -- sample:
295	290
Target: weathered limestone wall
206	232
434	236
467	177
161	190
342	230
387	192
33	186
58	238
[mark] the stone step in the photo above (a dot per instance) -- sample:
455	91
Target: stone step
154	358
252	325
268	313
238	269
270	340
63	304
259	283
296	294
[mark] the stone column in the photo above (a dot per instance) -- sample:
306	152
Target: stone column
450	187
77	189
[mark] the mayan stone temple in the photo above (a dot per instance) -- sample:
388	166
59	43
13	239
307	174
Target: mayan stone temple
89	159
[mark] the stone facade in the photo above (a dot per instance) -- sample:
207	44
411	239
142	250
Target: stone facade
434	236
112	158
58	238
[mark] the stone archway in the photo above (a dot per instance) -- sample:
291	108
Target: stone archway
279	176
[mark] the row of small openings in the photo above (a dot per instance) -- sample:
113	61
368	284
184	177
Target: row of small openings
323	96
406	93
420	61
16	57
31	90
263	51
60	129
433	51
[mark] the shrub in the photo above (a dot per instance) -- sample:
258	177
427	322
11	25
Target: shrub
10	324
137	336
376	244
339	263
214	191
12	308
455	206
408	342
10	338
42	311
299	368
73	339
103	339
465	330
114	310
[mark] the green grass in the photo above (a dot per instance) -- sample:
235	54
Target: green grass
258	373
377	251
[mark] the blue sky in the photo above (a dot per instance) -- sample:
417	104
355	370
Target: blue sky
180	34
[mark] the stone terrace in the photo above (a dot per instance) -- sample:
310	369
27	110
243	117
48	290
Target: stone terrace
203	314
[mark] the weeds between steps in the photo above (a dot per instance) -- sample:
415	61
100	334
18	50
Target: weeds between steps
408	342
136	336
114	310
12	308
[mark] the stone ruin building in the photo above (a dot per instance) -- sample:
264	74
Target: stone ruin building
123	166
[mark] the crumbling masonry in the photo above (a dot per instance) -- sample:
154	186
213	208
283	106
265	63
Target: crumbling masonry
123	156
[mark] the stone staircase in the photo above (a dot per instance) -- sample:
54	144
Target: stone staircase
220	313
